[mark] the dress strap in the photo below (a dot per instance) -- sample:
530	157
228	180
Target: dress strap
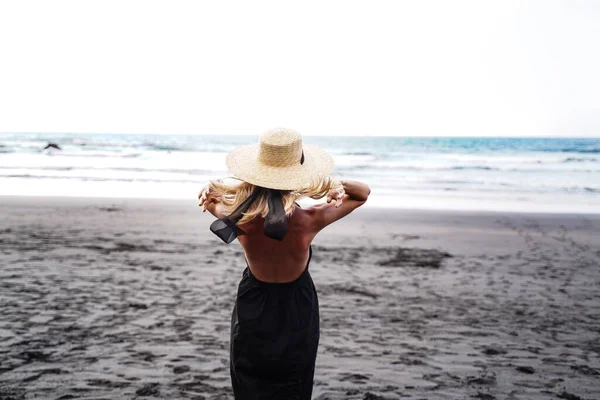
309	255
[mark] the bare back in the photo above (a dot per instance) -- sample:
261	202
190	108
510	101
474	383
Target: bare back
278	261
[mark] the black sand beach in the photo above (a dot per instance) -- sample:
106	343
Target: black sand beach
126	299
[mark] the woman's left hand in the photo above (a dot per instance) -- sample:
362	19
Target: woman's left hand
206	197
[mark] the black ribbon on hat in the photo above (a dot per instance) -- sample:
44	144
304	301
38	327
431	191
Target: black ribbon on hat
276	222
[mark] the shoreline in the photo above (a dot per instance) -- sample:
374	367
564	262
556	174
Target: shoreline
378	207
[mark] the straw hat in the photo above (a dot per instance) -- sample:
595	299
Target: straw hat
280	161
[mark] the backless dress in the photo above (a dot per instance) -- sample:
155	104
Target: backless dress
274	338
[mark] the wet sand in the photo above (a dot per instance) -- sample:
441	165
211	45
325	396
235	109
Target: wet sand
124	299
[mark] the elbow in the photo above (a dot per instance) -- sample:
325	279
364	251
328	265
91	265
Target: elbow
367	193
364	198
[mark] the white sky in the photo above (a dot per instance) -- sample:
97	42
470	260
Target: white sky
477	68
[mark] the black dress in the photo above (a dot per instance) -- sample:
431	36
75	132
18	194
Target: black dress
274	338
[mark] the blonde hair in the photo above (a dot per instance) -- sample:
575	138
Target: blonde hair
233	195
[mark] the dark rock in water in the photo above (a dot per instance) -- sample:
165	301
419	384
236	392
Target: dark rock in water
109	209
53	146
484	396
568	396
525	369
151	389
180	369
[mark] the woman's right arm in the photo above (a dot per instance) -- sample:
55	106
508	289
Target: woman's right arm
353	195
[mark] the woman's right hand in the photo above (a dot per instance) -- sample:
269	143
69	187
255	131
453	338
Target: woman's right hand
353	193
336	194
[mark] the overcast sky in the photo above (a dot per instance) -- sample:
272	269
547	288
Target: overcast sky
475	68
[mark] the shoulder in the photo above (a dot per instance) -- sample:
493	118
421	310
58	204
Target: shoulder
302	218
311	219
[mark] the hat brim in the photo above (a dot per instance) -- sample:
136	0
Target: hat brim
244	164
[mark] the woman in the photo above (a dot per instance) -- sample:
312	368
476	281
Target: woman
275	321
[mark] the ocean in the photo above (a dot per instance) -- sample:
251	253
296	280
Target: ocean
488	174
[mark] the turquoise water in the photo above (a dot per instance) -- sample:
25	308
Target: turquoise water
521	174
